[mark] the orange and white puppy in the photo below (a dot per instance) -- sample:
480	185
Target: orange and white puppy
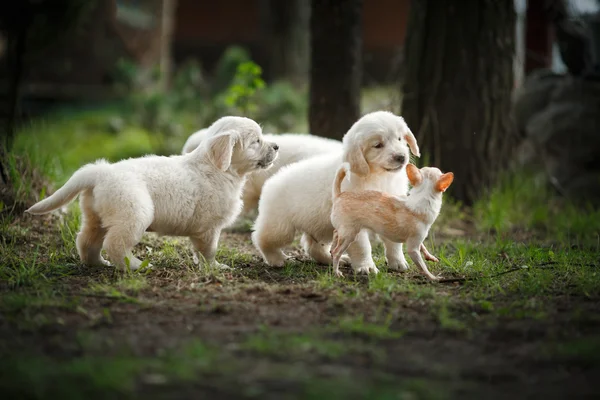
400	219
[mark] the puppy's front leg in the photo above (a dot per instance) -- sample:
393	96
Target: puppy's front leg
394	255
206	244
360	254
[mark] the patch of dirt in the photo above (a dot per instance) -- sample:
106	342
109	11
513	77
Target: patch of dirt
491	356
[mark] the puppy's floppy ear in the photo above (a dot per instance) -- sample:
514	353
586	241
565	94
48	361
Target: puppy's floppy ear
444	182
220	149
355	157
414	175
412	142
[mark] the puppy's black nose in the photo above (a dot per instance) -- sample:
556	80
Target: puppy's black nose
400	158
275	146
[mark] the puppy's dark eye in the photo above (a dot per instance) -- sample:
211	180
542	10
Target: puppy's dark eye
257	141
400	139
378	146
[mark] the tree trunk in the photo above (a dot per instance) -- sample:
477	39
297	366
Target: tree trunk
15	53
335	73
166	38
287	39
457	88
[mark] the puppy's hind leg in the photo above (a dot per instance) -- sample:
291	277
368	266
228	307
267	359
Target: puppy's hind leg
341	244
334	242
427	254
125	229
269	238
90	237
318	251
206	244
250	198
413	246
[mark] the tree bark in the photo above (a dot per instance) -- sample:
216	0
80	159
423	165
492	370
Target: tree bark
166	38
457	88
335	73
286	41
14	56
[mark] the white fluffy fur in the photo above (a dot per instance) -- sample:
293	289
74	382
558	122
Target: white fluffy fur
193	195
292	148
298	197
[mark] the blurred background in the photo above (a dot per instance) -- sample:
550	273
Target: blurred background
486	86
505	94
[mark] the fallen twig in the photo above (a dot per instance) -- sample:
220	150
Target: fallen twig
546	265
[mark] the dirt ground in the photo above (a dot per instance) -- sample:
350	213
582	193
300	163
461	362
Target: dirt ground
275	333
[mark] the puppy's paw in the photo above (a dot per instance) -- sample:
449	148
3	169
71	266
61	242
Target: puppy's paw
434	278
362	270
432	258
397	265
218	265
367	269
135	264
345	261
100	262
103	263
338	273
276	260
145	266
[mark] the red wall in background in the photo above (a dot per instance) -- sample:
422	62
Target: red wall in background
384	23
218	22
205	28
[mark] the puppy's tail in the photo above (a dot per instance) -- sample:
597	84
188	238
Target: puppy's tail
339	177
84	178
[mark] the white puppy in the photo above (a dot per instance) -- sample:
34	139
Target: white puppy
292	148
194	195
298	198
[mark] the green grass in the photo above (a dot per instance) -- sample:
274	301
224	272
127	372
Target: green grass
19	273
444	315
37	265
293	345
119	376
360	327
383	389
119	289
60	144
16	302
97	376
528	251
582	351
524	201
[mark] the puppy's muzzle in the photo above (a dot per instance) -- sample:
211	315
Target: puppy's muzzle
270	157
399	160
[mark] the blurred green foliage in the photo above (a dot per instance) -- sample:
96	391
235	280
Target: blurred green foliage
236	88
